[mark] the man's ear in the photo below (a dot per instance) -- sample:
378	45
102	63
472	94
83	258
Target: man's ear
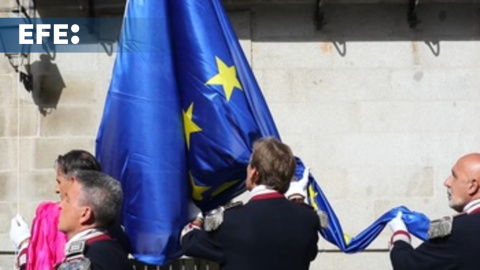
473	187
87	216
254	176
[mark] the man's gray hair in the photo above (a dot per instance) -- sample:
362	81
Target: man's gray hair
102	193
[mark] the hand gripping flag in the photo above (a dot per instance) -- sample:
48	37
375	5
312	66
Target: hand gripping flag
417	223
180	119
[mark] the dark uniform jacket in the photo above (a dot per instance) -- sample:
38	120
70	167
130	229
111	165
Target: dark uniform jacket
268	233
104	253
460	250
50	218
107	255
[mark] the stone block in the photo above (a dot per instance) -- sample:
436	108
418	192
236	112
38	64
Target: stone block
12	120
29	121
317	118
8	4
340	261
6	214
348	85
327	55
441	173
70	121
435	84
375	181
419	117
27	154
9	184
385	149
439	55
6	261
38	185
102	81
8	121
5	67
47	149
7	89
354	214
8	160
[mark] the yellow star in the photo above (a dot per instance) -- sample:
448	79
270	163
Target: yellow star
313	194
347	238
223	187
188	125
197	191
227	77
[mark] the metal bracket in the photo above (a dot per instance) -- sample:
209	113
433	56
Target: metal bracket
412	18
16	59
88	6
319	17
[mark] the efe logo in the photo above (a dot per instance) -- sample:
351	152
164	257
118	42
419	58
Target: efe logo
43	30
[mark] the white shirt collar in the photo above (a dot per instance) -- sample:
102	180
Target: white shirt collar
471	206
261	189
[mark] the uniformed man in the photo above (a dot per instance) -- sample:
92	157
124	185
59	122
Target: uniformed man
454	241
44	245
89	206
269	231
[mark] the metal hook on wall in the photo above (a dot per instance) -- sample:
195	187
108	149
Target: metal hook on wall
319	17
412	17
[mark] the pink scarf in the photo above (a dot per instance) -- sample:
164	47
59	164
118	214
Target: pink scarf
47	244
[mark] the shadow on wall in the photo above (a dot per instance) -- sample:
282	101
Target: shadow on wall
42	78
79	8
44	81
344	23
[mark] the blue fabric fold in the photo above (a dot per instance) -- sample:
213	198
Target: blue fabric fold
417	223
180	118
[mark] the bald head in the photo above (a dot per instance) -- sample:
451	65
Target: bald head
463	186
470	163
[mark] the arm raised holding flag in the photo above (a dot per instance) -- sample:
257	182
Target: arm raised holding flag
269	231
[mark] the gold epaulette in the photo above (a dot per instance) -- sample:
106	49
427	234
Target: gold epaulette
214	218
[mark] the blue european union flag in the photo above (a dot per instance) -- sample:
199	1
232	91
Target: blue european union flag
179	122
223	109
416	223
180	119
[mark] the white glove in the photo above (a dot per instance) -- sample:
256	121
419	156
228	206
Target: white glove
397	224
299	187
19	230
